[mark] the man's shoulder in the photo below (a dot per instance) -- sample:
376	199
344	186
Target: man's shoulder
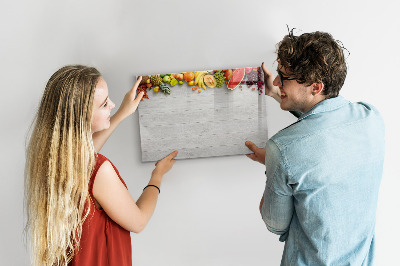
323	122
288	135
367	108
366	113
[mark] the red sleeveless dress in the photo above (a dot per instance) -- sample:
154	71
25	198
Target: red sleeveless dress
103	241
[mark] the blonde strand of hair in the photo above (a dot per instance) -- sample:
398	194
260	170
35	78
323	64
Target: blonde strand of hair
59	162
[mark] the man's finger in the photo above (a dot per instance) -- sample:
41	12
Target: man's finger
251	146
265	69
251	156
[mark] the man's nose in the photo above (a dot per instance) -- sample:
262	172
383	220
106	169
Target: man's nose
277	81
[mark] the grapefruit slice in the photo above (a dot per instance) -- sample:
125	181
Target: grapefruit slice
236	78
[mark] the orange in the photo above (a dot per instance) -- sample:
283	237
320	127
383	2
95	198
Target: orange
188	76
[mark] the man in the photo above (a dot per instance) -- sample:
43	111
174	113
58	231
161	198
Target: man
323	171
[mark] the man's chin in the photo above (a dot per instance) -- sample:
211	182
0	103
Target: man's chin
285	108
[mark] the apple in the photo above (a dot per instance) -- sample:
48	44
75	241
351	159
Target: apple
166	79
228	74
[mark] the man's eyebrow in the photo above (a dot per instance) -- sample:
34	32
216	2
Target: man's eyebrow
283	74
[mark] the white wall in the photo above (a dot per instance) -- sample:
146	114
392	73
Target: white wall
208	208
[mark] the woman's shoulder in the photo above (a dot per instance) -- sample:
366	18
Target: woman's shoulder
99	161
102	164
100	158
105	167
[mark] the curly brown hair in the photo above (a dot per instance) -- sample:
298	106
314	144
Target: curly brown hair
314	57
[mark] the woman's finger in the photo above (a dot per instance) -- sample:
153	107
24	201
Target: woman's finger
139	97
173	154
136	85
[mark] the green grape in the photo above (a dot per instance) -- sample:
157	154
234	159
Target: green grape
220	78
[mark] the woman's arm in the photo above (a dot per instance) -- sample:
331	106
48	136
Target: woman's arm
116	201
128	107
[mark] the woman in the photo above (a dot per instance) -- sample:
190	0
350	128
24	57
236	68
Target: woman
78	207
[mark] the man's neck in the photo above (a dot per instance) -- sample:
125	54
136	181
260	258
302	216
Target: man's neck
316	100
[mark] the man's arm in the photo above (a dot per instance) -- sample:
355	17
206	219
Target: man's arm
276	211
274	91
276	205
270	89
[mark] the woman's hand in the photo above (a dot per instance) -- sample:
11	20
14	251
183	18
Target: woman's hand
131	101
270	89
164	165
128	107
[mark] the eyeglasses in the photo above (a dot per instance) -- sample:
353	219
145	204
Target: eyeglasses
282	78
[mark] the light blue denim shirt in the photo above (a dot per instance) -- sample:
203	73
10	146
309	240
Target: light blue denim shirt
323	176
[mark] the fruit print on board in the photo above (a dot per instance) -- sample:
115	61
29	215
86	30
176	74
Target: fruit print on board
206	79
236	78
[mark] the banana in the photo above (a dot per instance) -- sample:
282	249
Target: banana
196	74
201	80
196	77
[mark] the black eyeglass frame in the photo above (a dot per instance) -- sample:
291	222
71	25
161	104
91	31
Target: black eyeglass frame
282	78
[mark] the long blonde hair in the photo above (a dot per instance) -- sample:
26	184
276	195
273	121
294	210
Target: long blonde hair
59	161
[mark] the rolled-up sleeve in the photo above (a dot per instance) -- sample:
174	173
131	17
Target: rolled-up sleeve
277	209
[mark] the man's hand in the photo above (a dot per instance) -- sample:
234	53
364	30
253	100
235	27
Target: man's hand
270	89
258	155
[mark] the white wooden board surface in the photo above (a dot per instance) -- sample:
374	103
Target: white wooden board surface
215	122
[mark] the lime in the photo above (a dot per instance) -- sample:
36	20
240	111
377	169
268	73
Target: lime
180	82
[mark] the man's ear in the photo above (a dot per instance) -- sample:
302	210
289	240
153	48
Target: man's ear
317	88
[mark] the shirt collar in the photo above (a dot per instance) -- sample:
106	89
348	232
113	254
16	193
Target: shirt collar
325	106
